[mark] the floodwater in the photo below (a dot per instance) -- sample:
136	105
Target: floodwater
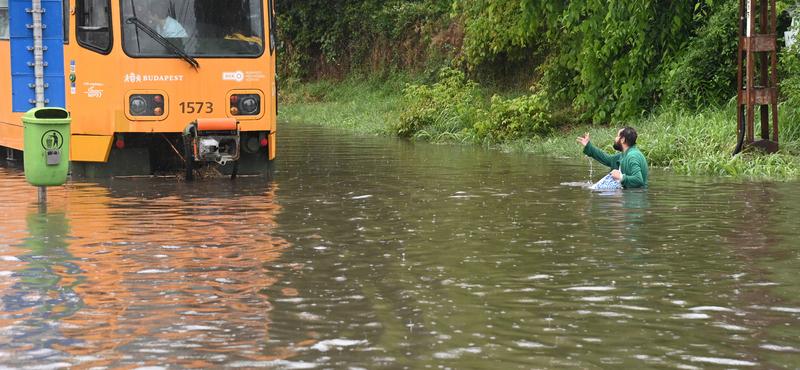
376	253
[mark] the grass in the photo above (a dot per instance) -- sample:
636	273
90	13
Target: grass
693	143
698	143
362	105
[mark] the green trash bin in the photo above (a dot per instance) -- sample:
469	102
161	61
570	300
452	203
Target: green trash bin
45	139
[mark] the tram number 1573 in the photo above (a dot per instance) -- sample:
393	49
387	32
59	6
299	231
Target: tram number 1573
197	107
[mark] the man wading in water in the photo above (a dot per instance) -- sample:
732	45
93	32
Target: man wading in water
629	167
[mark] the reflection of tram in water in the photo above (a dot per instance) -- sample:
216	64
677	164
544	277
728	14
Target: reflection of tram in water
115	280
143	97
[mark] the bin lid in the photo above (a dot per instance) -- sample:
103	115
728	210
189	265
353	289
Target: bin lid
47	115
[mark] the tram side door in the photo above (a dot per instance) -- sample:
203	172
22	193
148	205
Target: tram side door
93	69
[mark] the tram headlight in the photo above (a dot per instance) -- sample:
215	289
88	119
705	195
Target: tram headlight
245	104
138	105
143	105
249	106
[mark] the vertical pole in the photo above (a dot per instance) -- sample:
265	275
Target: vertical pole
38	52
38	59
42	194
750	75
774	76
763	69
741	94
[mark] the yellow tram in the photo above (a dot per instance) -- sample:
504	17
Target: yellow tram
151	85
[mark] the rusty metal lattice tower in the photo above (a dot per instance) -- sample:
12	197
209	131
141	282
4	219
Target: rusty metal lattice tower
757	62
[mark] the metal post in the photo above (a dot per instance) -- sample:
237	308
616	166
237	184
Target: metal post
38	51
38	59
42	194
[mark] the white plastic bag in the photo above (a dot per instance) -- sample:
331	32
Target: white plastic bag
607	182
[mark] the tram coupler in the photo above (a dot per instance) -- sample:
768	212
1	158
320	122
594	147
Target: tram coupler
211	139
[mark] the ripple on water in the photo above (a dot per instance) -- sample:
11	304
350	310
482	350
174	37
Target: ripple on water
370	253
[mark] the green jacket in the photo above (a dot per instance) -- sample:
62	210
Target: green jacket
632	164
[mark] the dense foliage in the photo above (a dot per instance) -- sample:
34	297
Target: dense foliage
594	61
330	38
454	108
447	106
703	72
614	59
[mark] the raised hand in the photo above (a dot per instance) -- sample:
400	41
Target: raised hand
585	139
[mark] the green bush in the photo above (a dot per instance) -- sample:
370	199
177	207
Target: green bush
496	29
703	73
508	119
789	87
446	106
455	109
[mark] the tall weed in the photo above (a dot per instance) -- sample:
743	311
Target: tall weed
455	109
507	119
449	105
694	143
789	87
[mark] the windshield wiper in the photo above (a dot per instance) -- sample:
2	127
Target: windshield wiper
162	40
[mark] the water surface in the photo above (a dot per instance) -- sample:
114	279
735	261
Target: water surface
376	253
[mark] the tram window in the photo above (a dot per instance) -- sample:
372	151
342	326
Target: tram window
92	21
4	19
213	28
64	19
273	32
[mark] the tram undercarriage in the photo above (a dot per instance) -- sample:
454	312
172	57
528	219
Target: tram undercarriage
162	154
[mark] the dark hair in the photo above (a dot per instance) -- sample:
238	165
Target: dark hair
158	8
629	134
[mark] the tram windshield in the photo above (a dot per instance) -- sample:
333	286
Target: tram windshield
198	28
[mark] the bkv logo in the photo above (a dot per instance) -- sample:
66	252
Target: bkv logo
52	140
237	76
92	93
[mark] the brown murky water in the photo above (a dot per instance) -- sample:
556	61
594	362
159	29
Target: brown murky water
376	253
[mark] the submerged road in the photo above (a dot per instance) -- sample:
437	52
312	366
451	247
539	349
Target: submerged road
365	252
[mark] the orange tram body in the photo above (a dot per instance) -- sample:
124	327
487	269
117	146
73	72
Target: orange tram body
153	86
